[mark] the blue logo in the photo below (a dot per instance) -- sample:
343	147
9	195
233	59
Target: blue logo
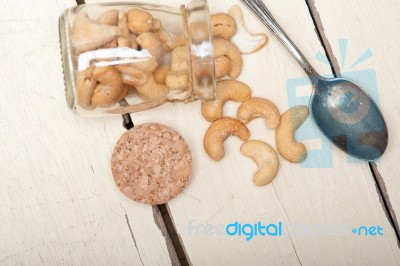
248	231
368	231
320	156
251	230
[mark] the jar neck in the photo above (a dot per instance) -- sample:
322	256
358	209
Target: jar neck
196	19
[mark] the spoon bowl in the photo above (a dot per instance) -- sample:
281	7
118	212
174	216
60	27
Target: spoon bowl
350	118
343	111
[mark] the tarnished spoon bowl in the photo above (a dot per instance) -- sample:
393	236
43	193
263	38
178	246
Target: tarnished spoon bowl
350	118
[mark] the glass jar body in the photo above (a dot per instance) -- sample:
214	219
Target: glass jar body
131	57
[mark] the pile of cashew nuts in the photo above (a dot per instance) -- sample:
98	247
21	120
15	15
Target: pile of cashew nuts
104	86
229	62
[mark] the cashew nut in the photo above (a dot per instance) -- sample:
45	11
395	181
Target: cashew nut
131	75
124	91
133	43
85	88
147	65
111	44
180	59
227	90
156	24
109	17
169	40
165	46
150	42
160	74
177	81
224	47
139	21
124	40
259	107
266	159
287	146
246	41
222	66
88	35
223	25
152	90
178	77
108	90
218	132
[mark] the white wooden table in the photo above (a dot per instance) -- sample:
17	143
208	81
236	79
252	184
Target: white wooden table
58	201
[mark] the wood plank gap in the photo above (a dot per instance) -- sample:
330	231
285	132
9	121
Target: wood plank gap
160	222
127	119
379	182
175	238
319	30
165	224
385	200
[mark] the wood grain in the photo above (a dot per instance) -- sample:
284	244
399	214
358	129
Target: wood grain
373	26
58	201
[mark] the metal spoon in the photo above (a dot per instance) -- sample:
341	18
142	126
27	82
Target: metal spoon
342	110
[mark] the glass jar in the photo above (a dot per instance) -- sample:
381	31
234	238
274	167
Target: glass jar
131	57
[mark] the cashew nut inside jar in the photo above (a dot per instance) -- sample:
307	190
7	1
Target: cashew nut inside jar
132	57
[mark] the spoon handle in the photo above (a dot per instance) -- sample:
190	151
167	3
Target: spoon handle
261	11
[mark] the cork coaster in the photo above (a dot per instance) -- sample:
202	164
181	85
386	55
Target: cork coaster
151	164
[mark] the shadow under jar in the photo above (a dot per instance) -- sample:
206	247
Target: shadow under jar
131	57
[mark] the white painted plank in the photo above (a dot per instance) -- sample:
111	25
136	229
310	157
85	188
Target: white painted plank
374	26
58	201
221	193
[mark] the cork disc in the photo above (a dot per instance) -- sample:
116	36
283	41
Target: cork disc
151	164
